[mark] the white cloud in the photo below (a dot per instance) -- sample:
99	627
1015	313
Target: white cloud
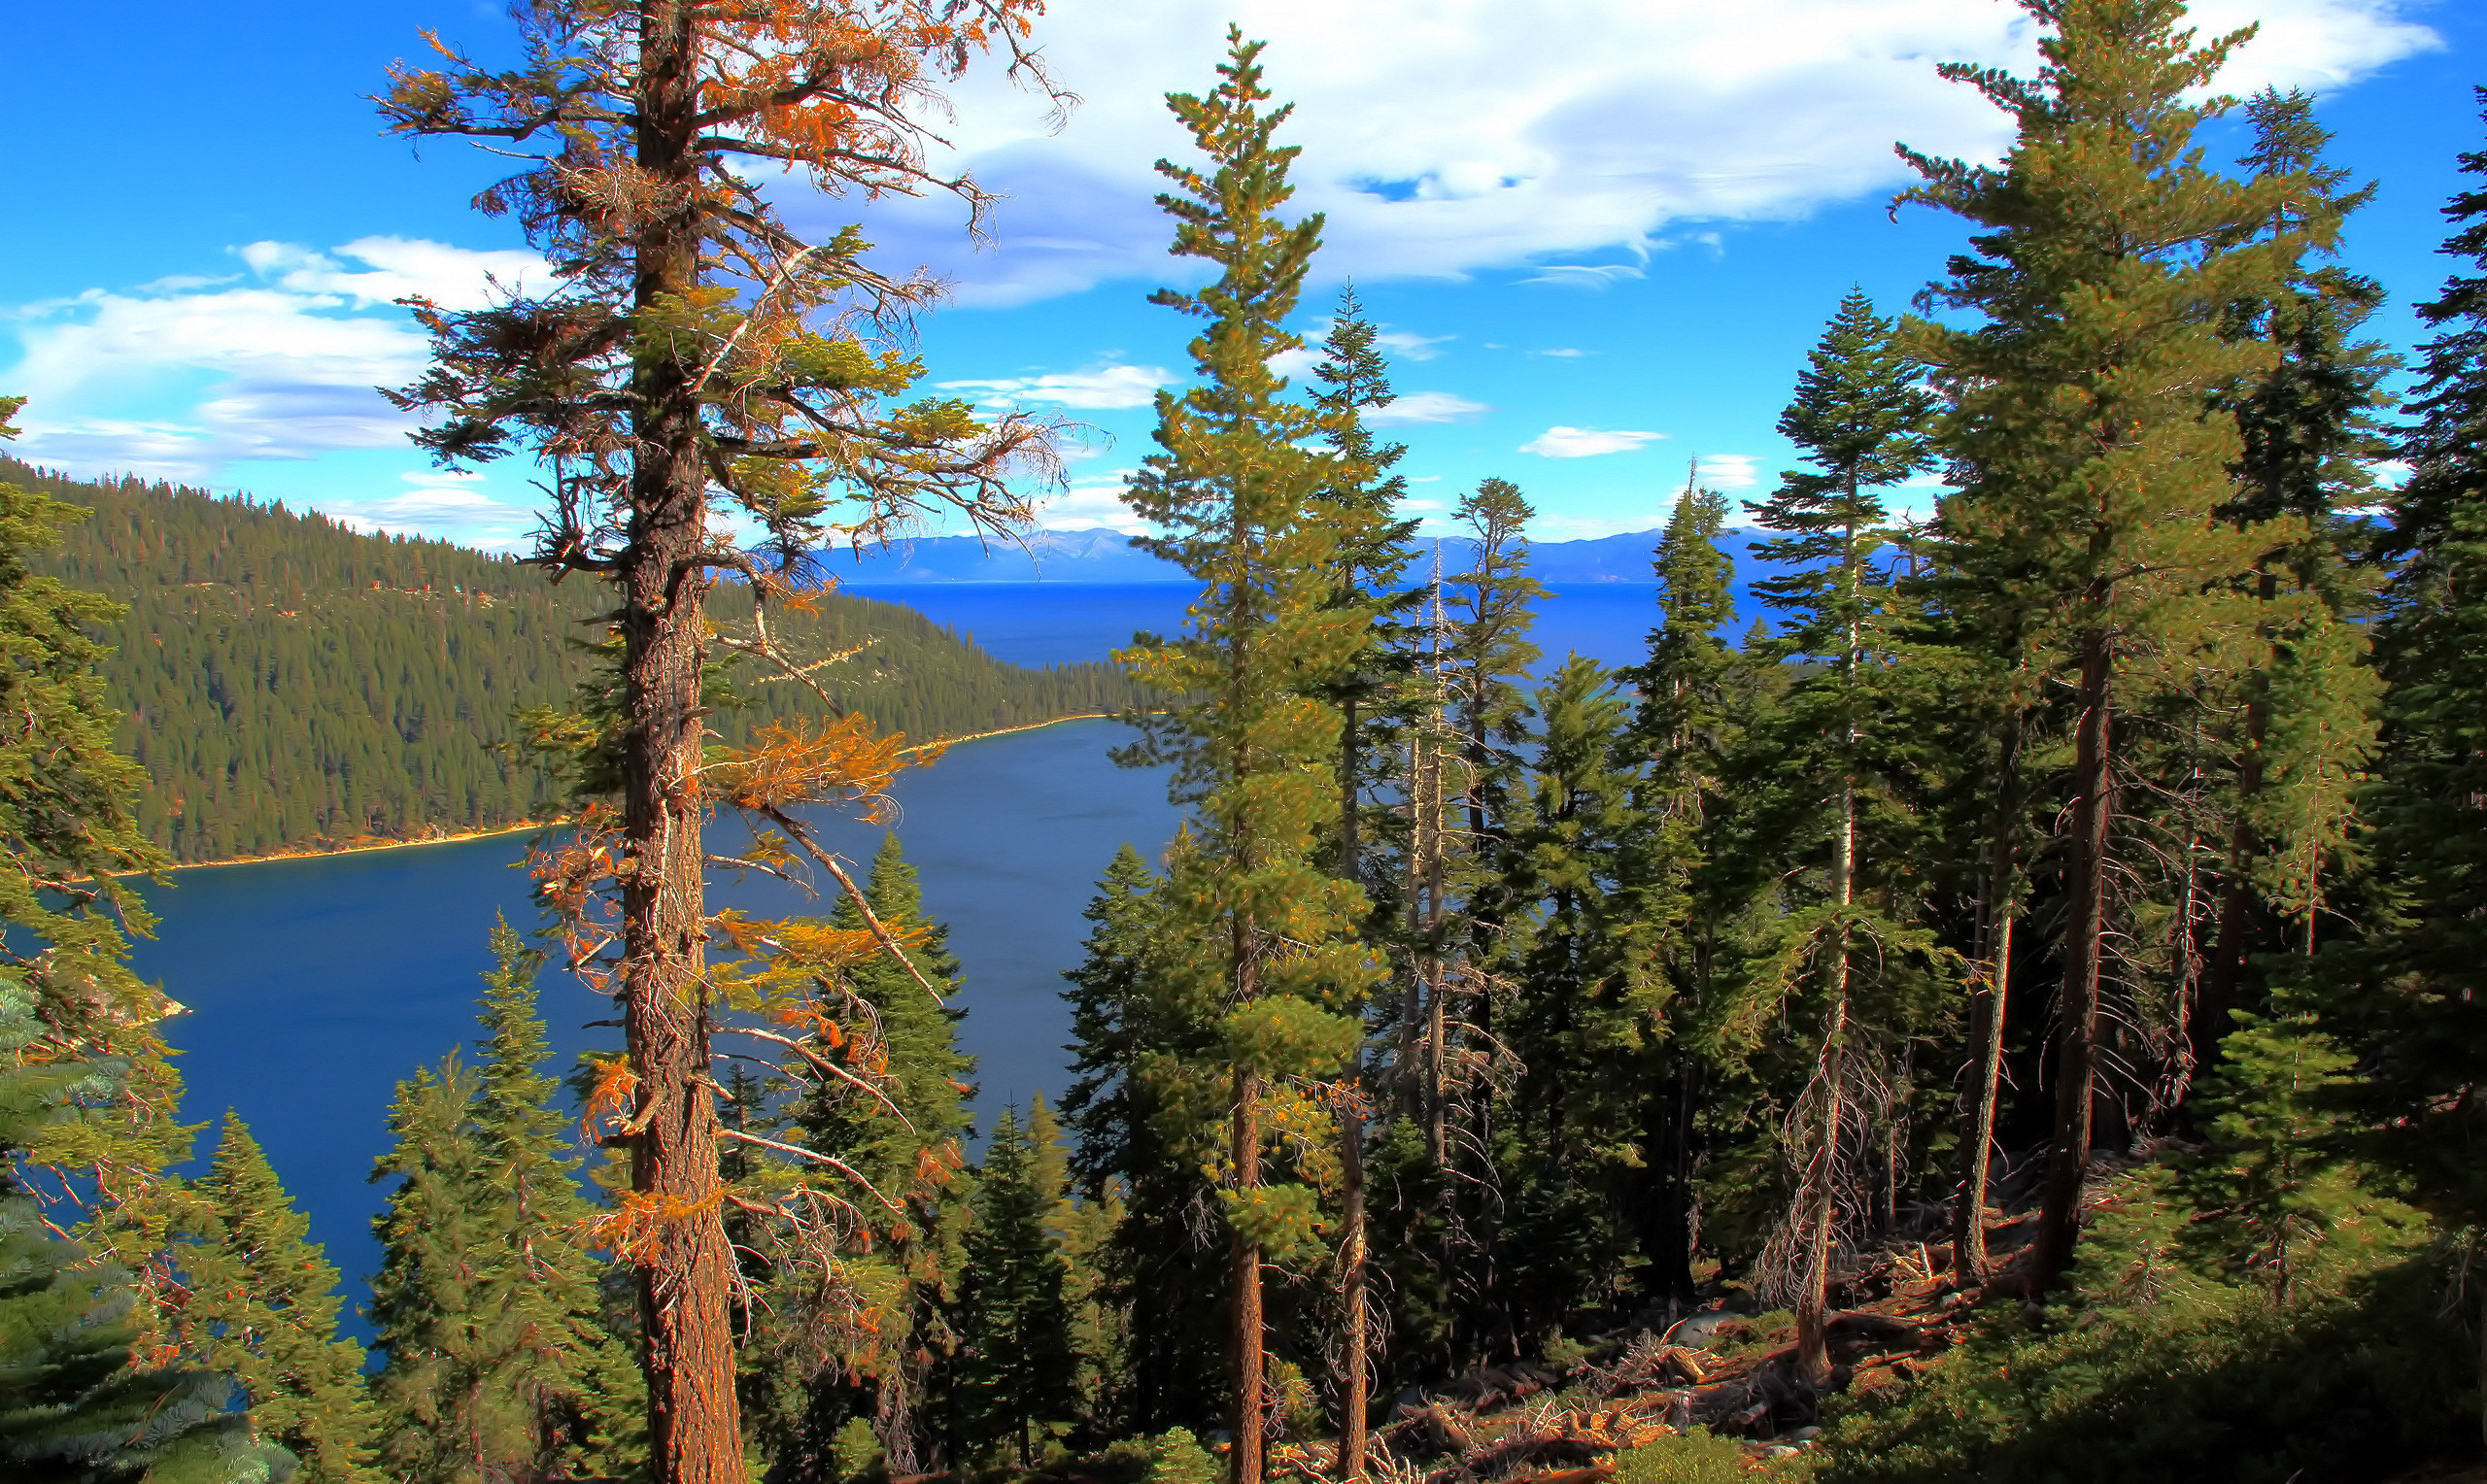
1105	388
1565	352
442	503
1092	504
1440	138
1585	274
229	370
1412	346
1560	442
1728	471
399	268
1424	406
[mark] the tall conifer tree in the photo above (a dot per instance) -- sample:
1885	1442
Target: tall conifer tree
1832	770
1683	726
499	1364
1244	509
2412	991
2096	478
1019	1373
689	354
263	1307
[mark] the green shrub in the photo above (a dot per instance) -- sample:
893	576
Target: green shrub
1699	1458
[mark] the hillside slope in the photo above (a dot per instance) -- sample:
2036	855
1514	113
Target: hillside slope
289	681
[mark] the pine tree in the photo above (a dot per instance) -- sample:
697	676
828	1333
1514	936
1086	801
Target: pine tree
263	1307
1830	775
1684	726
499	1365
1143	1109
1584	1007
901	1137
2094	477
1243	510
1018	1370
655	381
76	1405
2408	994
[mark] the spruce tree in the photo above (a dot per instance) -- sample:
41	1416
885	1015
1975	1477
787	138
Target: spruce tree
1684	727
1018	1370
1830	776
263	1307
2410	995
499	1364
1243	505
2095	478
1584	1007
882	1347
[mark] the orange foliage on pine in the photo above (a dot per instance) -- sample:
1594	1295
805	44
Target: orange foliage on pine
693	353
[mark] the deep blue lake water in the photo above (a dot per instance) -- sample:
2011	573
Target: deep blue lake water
1050	623
315	985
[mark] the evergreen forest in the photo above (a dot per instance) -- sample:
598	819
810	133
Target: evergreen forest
2012	1012
288	683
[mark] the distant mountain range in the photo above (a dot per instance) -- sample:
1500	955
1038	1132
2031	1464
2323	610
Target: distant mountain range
1107	556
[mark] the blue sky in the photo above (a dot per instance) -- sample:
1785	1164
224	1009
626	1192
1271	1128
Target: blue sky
1600	234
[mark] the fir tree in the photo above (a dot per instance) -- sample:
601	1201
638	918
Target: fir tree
2409	994
499	1365
1829	775
2309	432
1245	510
76	1405
2094	475
1143	1108
263	1307
1018	1370
903	1140
1584	1007
1684	724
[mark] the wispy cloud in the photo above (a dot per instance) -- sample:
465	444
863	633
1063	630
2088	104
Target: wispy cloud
1442	140
1561	352
1560	442
1584	275
1411	407
1728	471
1104	389
439	503
1410	346
184	377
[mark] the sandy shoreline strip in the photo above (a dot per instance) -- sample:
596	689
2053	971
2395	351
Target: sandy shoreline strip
310	853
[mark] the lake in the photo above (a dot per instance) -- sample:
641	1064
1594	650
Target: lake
315	985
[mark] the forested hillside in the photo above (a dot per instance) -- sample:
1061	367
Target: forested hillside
288	680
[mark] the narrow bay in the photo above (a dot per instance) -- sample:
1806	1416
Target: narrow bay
314	984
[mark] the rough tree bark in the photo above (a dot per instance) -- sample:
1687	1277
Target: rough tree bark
1986	1019
2085	926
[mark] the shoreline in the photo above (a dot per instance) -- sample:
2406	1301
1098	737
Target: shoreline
314	853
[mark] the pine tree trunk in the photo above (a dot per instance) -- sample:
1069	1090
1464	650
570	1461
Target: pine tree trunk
1245	1149
2085	929
1813	1304
2211	1020
1350	865
1354	1404
695	1422
1986	1021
